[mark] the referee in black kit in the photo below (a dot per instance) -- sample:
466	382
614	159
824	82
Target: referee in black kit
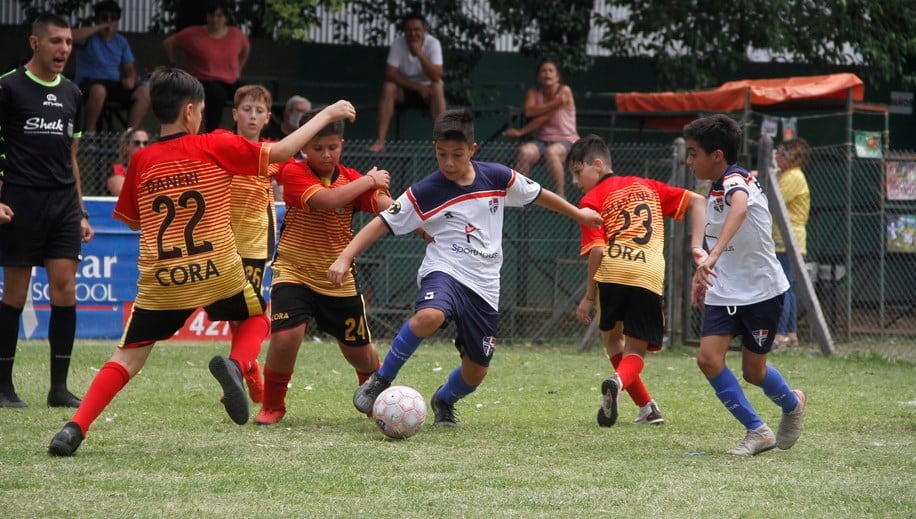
40	187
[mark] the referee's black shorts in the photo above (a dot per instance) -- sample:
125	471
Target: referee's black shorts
45	225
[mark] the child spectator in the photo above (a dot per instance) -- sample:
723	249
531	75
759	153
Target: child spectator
741	285
626	267
132	141
321	197
461	207
177	194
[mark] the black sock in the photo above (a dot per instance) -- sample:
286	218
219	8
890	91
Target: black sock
61	329
9	337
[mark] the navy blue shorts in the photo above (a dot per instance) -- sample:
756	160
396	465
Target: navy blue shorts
640	310
756	323
476	322
45	225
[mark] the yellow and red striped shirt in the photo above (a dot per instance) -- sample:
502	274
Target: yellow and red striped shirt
311	239
178	192
633	234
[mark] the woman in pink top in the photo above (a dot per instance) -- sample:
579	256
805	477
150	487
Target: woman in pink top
216	54
550	111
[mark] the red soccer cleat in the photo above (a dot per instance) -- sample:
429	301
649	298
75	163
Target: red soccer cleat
268	416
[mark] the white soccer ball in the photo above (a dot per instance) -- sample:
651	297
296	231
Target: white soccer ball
399	412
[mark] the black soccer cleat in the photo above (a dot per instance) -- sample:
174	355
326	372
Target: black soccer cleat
365	395
62	397
235	398
445	413
66	441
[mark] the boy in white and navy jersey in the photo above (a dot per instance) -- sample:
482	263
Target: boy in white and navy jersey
741	284
461	207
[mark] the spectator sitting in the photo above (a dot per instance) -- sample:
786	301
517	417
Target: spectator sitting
216	54
105	68
551	113
413	75
296	107
132	141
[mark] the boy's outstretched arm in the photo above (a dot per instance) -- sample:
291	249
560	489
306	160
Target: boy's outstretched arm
282	150
585	215
697	208
736	215
372	231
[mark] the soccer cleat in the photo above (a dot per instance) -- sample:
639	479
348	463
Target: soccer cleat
445	413
365	395
62	397
66	441
610	393
227	373
9	398
255	383
268	416
649	414
755	442
790	426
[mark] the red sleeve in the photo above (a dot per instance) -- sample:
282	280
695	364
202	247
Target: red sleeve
127	209
673	200
591	237
297	182
237	154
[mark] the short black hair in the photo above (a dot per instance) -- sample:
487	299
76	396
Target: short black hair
44	20
587	149
414	15
106	6
716	132
335	128
212	6
454	125
170	90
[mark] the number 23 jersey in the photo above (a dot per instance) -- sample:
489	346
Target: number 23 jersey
178	193
633	233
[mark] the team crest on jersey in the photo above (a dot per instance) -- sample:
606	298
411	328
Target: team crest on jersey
760	336
494	205
489	343
718	203
394	208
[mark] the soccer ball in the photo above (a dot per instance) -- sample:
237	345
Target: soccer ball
399	412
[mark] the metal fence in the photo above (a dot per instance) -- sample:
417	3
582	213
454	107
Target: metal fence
861	251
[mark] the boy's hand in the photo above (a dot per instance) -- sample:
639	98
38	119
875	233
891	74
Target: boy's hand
697	292
584	310
381	178
699	255
590	217
705	273
6	213
342	109
337	271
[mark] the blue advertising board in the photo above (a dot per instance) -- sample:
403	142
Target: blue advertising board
106	283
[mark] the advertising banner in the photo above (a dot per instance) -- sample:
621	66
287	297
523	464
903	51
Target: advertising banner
106	285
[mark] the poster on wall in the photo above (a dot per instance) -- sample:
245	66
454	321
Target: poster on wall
868	145
900	178
901	232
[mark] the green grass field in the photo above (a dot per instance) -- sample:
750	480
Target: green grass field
527	444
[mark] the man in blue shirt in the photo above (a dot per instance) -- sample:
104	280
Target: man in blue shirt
105	68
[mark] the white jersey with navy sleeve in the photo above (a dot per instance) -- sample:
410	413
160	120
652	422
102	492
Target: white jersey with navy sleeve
466	223
748	271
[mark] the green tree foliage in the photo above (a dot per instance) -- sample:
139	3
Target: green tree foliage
695	42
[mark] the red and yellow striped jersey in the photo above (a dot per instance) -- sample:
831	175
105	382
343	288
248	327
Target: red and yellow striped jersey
633	233
177	192
311	239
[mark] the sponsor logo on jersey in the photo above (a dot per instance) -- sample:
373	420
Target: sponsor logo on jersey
51	100
468	229
39	123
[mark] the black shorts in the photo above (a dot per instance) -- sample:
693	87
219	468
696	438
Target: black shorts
344	317
641	311
756	323
114	89
45	225
148	326
254	270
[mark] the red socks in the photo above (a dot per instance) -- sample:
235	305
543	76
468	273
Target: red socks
361	377
247	340
109	381
629	369
275	387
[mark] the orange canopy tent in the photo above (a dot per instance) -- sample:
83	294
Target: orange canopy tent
735	96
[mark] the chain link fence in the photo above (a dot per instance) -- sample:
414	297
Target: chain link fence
861	252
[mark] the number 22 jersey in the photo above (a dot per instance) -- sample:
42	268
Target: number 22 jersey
178	192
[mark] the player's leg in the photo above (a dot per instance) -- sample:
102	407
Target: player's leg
61	329
760	321
345	318
15	284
